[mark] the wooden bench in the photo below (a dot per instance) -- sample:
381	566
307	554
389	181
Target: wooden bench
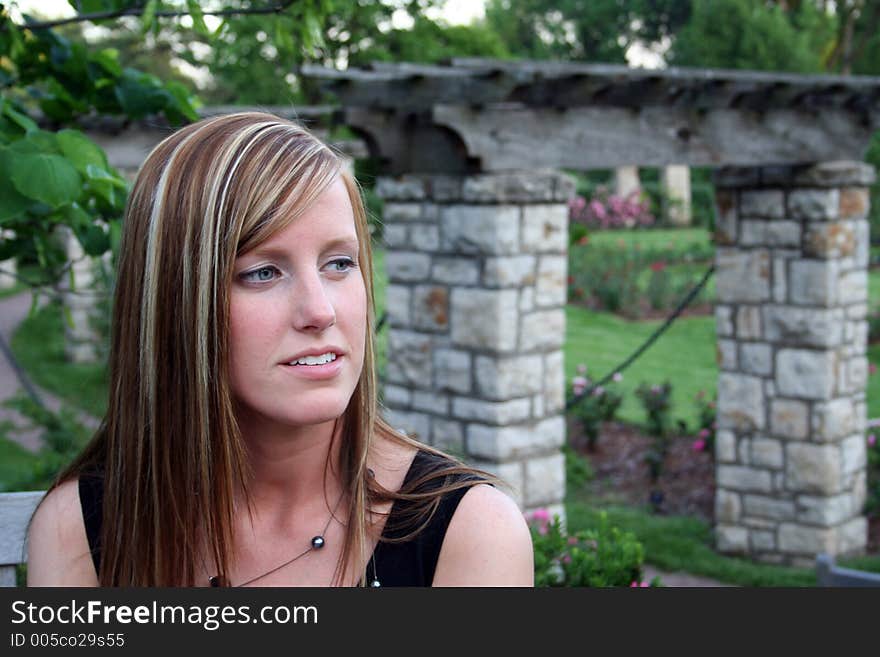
830	574
16	510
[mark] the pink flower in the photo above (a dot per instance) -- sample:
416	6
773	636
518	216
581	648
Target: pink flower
598	391
542	515
872	368
872	439
572	540
617	377
598	210
581	369
566	558
698	445
704	433
636	585
578	385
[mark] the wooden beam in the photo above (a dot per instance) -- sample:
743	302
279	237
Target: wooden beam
503	137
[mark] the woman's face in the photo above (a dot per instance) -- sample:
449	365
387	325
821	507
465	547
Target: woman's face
298	308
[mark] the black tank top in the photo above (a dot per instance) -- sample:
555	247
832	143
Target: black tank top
410	563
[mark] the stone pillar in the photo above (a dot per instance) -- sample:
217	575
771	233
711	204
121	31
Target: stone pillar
792	287
80	300
477	287
676	182
8	268
626	181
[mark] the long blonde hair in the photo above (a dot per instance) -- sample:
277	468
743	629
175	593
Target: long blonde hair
169	449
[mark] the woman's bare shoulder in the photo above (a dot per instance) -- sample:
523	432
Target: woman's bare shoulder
58	550
487	543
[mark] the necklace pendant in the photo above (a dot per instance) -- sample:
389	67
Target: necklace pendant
215	581
317	542
375	584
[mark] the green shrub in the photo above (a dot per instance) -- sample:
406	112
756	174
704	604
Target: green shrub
596	557
578	470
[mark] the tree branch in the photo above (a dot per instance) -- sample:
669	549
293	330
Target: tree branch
137	11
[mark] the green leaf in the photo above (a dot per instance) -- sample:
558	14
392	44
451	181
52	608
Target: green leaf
21	120
198	18
148	16
94	240
81	151
12	202
107	186
47	178
108	59
140	94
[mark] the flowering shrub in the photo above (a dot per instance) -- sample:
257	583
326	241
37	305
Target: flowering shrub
606	210
600	405
657	401
705	439
600	556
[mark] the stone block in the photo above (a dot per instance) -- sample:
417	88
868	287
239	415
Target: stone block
799	539
404	188
397	304
854	454
545	228
518	187
725	447
425	238
763	540
542	330
448	435
742	478
789	418
486	319
509	271
812	468
402	212
554	382
406	266
538	406
725	218
756	358
780	279
852	536
771	508
725	355
852	375
551	287
830	239
516	441
431	307
545	479
455	271
748	323
767	453
490	412
724	321
430	401
785	234
762	204
511	474
814	204
854	203
731	539
500	378
862	231
395	236
452	370
753	232
409	358
825	511
853	287
838	173
526	299
834	419
742	276
805	373
396	396
728	507
794	326
480	229
740	402
814	282
415	425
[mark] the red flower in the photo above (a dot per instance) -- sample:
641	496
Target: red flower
658	266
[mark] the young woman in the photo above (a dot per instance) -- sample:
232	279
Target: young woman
242	444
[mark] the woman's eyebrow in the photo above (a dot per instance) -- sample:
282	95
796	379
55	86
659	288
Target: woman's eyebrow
340	242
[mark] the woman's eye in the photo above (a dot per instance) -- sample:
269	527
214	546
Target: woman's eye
261	275
341	264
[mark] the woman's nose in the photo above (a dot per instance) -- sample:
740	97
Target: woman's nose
314	309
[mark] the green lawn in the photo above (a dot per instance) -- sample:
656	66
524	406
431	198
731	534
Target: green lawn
676	238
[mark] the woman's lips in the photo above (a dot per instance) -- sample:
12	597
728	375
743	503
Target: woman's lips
316	372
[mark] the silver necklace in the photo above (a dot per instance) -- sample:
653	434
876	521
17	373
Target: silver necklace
316	543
